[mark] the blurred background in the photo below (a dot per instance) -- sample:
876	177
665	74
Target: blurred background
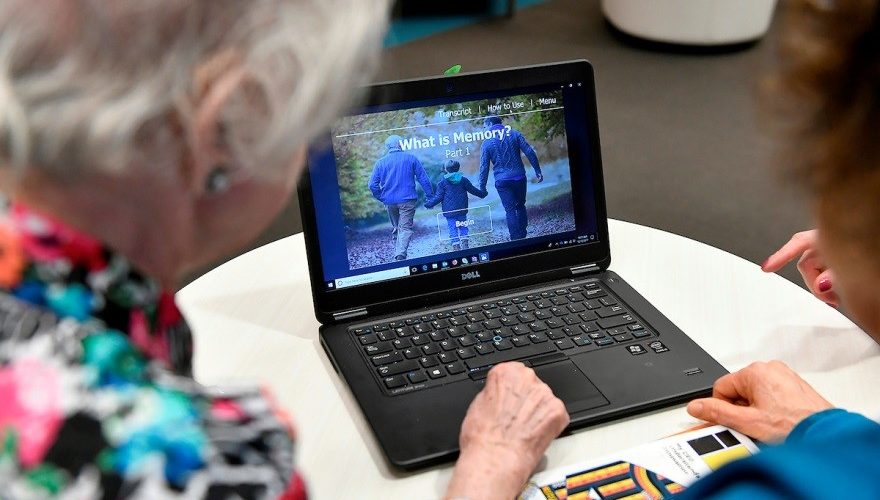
684	147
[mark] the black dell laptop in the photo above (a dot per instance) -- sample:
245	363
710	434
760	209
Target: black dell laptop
459	222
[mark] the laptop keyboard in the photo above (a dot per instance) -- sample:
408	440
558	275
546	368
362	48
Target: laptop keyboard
453	344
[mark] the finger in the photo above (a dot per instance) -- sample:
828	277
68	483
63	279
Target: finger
823	288
727	388
741	418
798	244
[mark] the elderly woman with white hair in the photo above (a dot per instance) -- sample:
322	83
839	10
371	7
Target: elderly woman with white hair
139	139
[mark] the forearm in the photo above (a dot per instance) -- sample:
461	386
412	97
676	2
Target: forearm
484	475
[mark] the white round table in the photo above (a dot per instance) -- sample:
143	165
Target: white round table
253	322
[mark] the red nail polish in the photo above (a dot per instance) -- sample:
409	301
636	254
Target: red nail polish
824	285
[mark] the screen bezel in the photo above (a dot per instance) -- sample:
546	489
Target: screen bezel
434	288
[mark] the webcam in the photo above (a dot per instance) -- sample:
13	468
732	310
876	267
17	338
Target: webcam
449	87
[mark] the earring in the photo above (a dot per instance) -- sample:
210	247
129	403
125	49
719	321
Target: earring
218	180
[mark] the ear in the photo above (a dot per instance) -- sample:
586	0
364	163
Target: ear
214	82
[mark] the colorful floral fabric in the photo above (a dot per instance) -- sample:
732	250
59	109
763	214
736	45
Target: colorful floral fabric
95	395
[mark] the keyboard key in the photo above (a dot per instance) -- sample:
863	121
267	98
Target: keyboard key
438	336
591	284
593	304
635	327
448	345
607	312
379	348
456	331
458	321
520	330
553	323
605	341
576	308
428	361
563	343
488	306
594	293
615	321
447	357
575	297
492	324
362	331
386	358
518	300
493	314
476	318
443	315
423	328
387	335
560	291
474	327
484	348
411	353
623	337
473	309
401	343
576	288
543	314
571	320
440	323
430	349
617	331
420	339
641	334
416	377
459	312
526	307
404	331
395	382
413	321
485	336
520	341
537	326
556	334
397	324
503	345
587	316
597	335
581	341
436	372
368	339
503	303
466	352
509	355
607	301
454	368
428	318
397	368
559	301
537	338
589	327
380	327
467	340
526	318
544	304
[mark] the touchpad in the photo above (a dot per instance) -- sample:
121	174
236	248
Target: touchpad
571	386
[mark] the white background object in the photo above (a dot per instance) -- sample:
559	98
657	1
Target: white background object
253	321
691	22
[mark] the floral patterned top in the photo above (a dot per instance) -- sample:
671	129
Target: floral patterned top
95	395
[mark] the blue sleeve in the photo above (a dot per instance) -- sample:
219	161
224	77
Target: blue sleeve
832	454
470	188
374	181
529	151
484	165
422	176
437	197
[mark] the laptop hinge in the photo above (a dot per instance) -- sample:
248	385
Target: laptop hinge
588	268
351	313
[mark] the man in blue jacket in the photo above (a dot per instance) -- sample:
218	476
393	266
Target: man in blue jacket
394	184
504	153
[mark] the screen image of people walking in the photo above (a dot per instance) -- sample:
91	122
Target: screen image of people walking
446	180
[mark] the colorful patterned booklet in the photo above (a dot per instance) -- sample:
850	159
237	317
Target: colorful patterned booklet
651	471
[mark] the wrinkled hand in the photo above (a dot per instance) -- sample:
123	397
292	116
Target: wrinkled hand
764	400
816	274
507	428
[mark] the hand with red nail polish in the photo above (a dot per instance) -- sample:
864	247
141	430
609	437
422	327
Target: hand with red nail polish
817	275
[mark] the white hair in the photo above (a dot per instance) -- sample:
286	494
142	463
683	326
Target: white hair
93	84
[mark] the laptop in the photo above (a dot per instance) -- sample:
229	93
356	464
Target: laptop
459	222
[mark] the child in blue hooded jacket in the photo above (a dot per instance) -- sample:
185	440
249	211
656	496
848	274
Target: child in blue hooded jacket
452	191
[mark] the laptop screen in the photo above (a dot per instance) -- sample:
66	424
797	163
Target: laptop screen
413	188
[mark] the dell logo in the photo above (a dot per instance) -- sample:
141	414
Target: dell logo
470	276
